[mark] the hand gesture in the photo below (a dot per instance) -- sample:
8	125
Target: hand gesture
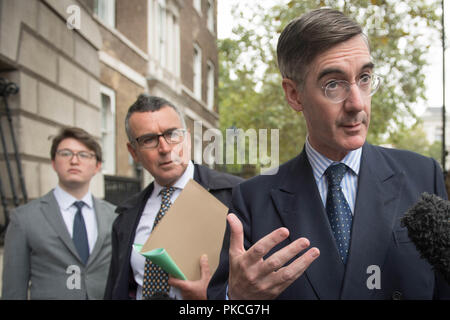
252	277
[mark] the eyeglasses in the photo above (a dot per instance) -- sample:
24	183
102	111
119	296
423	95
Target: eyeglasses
151	140
339	90
68	154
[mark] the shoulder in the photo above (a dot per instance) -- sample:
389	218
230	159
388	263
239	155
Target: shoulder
214	179
31	206
105	206
273	177
399	157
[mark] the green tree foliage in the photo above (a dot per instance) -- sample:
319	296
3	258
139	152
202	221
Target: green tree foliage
414	138
250	92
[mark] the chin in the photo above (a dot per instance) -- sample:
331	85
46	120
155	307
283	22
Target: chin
348	147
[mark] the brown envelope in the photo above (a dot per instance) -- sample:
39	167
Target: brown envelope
193	225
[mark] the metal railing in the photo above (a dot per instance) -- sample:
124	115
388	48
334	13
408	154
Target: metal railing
118	189
8	89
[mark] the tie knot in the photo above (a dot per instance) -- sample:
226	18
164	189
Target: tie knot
167	192
335	173
79	204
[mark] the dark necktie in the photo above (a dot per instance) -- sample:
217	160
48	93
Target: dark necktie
338	210
79	235
155	278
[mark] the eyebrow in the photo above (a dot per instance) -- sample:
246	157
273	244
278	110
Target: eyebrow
157	134
325	72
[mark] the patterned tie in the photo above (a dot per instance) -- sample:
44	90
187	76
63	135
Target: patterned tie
79	234
155	278
338	210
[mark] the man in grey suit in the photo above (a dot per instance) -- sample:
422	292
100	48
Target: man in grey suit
59	246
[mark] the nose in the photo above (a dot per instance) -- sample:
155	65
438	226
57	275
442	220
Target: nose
163	146
75	159
355	100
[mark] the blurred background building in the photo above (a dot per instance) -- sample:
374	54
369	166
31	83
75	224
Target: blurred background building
83	63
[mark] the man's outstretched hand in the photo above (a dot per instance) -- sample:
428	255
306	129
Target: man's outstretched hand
252	277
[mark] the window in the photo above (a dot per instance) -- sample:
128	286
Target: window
106	11
162	34
197	66
108	130
210	17
198	6
210	86
164	37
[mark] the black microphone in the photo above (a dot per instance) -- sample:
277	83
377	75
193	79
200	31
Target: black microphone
428	224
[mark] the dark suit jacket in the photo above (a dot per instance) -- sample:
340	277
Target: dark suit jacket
390	182
121	284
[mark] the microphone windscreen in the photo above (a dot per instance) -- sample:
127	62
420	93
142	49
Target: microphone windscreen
428	224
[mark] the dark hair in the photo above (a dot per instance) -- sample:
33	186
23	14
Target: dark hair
81	136
147	103
309	35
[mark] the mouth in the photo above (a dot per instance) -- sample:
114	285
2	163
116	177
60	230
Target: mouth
74	171
165	164
352	125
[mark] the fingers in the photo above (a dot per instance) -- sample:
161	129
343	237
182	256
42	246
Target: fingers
204	267
281	257
236	235
264	245
294	270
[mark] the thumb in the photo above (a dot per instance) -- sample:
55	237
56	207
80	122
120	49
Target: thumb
204	267
236	235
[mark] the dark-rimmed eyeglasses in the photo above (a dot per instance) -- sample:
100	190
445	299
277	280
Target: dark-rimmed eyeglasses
69	154
339	90
151	140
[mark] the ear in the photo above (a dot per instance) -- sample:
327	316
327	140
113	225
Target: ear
132	151
292	94
98	167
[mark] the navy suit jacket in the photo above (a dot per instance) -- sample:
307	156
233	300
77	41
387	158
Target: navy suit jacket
390	182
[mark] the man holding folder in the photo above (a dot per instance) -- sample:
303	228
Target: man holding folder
158	139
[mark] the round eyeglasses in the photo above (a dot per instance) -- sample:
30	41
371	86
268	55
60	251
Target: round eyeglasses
151	140
69	154
339	90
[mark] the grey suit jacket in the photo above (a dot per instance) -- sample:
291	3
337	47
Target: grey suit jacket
40	255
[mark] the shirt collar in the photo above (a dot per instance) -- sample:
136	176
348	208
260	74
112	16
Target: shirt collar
320	163
187	175
65	199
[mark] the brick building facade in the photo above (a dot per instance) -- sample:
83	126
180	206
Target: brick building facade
88	73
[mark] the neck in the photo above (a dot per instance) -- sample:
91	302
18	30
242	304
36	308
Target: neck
77	192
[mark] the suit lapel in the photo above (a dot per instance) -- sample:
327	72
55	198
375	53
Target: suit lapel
50	210
298	203
378	195
103	228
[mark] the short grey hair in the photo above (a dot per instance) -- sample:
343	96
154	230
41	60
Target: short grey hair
147	103
309	35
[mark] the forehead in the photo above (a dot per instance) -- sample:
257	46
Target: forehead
348	57
73	144
154	121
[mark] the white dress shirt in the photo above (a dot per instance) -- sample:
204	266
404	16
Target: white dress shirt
349	184
145	227
68	211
